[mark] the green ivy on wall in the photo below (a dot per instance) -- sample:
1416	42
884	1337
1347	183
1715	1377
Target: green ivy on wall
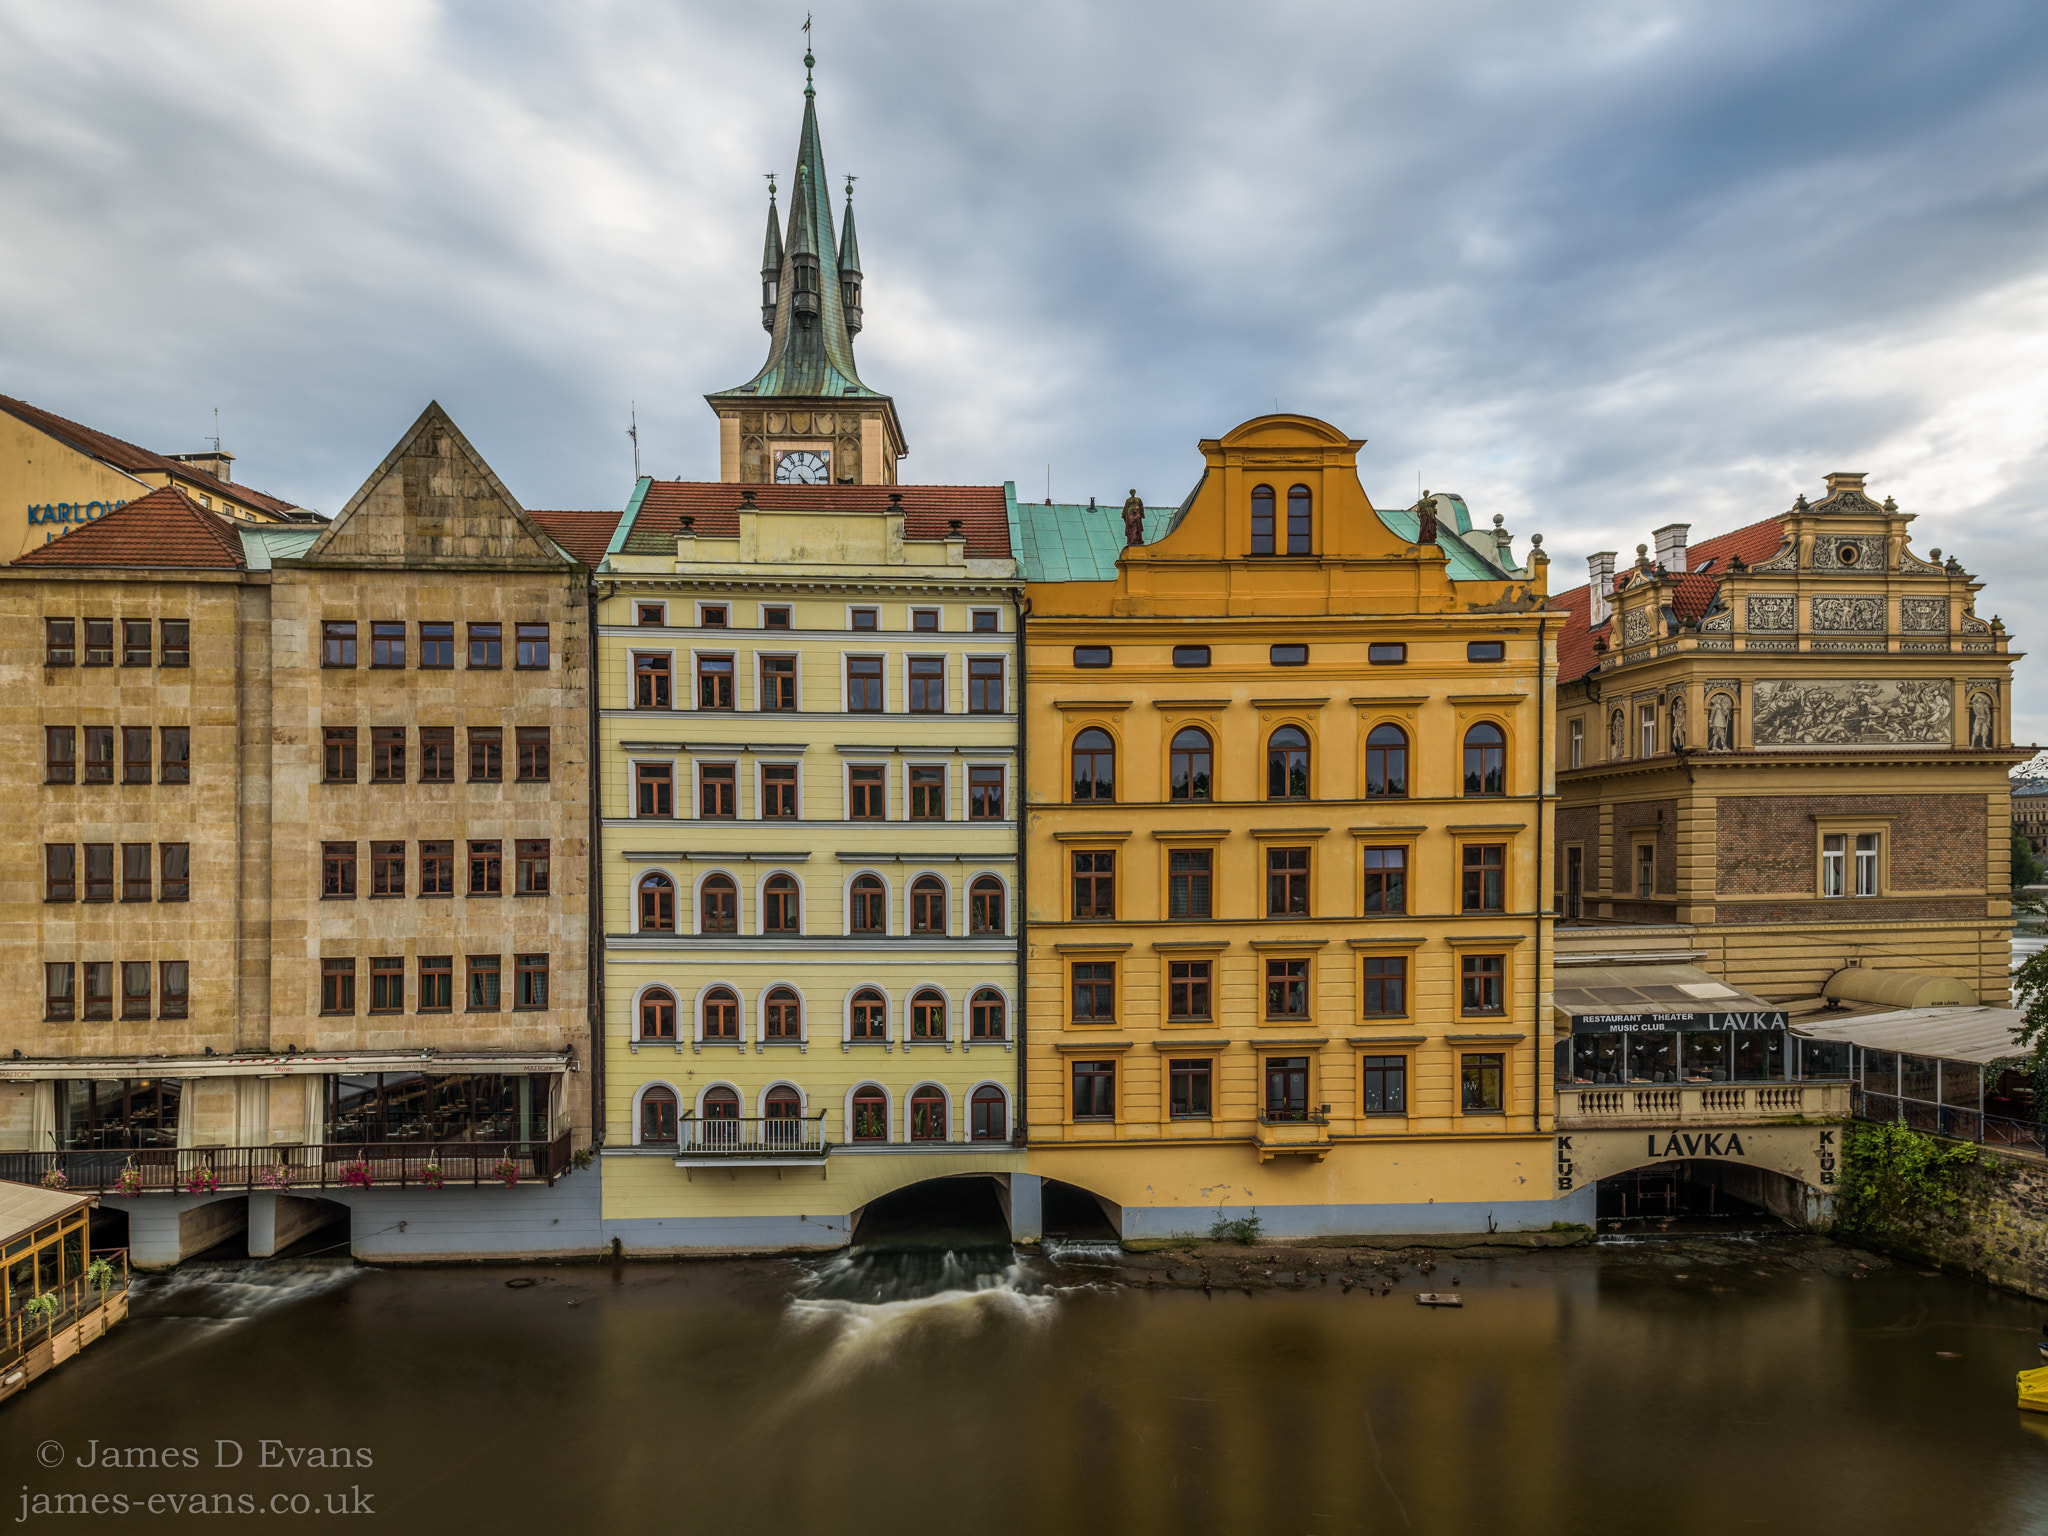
1893	1174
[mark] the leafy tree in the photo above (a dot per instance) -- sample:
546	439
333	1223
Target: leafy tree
2027	868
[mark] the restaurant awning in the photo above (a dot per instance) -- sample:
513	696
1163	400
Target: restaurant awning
24	1207
1641	999
1954	1034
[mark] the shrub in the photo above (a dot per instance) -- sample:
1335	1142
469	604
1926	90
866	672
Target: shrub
1893	1173
1243	1230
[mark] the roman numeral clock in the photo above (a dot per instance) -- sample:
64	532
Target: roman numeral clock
803	466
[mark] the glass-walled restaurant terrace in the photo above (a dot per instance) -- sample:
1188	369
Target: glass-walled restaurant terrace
1652	1057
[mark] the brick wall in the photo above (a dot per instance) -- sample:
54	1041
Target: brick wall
1864	911
1661	814
1767	844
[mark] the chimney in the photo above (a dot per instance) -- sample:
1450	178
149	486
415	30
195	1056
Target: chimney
221	464
1600	581
1844	480
1671	547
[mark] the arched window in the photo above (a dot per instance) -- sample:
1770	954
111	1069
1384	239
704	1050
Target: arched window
1386	763
720	1121
928	904
1262	520
779	905
1287	764
1190	765
1486	754
782	1117
721	1014
869	900
783	1016
988	1116
1094	765
987	1014
1298	520
870	1113
658	1115
870	1015
927	1115
718	905
721	1104
657	1014
657	904
985	905
928	1016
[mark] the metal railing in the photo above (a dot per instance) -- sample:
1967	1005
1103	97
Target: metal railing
1951	1120
76	1298
283	1169
752	1136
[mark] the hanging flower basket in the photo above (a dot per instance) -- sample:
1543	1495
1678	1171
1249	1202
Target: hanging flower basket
432	1176
55	1179
276	1176
202	1181
129	1184
355	1175
506	1172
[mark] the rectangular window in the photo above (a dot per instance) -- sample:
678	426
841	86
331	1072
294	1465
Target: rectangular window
437	974
1484	877
651	677
486	754
986	621
174	998
1834	847
1091	655
985	685
437	754
927	685
99	871
99	642
437	646
437	868
533	872
865	618
338	986
60	643
864	684
1386	1084
711	615
1095	1090
778	792
650	615
1578	744
338	871
530	981
483	984
1094	884
654	790
58	1002
387	984
1187	989
714	682
1286	1089
135	989
60	872
1386	880
175	862
387	754
176	767
984	794
99	754
486	867
137	879
99	989
1286	989
533	650
778	682
387	644
486	647
1286	882
1289	655
868	790
340	747
927	794
1866	863
1187	883
135	760
1486	650
1188	1089
1095	992
1646	730
1480	981
136	648
1386	987
924	620
177	646
775	618
1386	653
1646	869
338	643
387	869
1191	655
1481	1090
717	791
60	754
535	754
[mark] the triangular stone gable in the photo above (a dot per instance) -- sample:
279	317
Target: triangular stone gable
434	502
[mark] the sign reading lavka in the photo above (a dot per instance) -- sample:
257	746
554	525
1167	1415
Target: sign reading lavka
1651	1023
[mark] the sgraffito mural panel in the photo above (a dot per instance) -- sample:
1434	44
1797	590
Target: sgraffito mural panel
1863	712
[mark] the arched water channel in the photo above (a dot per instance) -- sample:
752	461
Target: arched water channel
1702	1384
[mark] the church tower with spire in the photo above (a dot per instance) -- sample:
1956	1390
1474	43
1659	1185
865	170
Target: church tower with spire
806	418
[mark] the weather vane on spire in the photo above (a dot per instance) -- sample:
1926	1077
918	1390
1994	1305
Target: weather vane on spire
771	184
849	184
808	59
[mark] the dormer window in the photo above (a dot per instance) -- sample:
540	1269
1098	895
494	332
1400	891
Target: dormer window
1262	520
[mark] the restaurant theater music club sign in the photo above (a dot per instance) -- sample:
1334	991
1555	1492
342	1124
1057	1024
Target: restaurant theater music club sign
1663	1023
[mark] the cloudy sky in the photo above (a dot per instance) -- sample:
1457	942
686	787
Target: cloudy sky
1597	266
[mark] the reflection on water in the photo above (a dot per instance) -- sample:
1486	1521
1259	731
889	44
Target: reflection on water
1701	1385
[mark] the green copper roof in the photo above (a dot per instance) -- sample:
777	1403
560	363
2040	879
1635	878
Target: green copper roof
1070	542
1466	563
262	545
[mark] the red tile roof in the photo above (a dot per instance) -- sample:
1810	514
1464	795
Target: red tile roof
1705	564
164	530
927	510
125	455
585	535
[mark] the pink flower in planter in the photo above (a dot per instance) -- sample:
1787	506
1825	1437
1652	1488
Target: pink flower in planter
202	1181
431	1176
355	1175
129	1184
506	1172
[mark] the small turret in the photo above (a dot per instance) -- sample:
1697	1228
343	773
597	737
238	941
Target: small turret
849	268
771	264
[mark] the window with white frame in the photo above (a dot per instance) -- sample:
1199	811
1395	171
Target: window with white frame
1578	757
1646	731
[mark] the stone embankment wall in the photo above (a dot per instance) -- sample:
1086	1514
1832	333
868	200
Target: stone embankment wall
1997	1232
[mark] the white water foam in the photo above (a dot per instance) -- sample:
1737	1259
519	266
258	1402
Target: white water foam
1076	1251
231	1294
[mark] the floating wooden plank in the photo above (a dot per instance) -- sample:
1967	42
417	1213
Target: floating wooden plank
1438	1299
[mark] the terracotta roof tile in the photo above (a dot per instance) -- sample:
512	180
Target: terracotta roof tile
585	535
125	455
165	530
927	510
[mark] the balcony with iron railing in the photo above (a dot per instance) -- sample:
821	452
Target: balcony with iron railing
288	1168
1293	1133
757	1139
1625	1106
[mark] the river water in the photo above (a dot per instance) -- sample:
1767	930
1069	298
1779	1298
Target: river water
1670	1386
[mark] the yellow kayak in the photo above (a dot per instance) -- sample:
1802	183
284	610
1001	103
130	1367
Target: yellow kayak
2034	1389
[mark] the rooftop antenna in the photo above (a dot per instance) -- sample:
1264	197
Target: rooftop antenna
1048	485
216	429
633	431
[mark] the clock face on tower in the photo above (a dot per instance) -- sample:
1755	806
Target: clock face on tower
803	466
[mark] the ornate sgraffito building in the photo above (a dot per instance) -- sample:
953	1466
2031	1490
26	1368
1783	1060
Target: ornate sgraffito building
1287	836
1794	740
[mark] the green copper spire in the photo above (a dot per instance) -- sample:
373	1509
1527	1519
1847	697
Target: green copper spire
849	267
771	263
